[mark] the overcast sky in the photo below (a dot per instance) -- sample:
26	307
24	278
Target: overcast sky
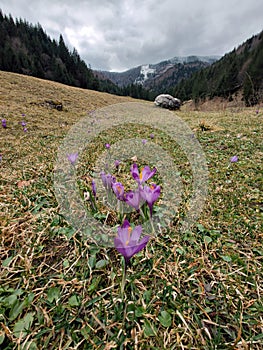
121	34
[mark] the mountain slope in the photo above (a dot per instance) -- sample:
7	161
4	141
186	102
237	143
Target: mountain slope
161	76
240	71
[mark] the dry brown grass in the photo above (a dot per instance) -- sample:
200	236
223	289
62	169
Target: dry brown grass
199	290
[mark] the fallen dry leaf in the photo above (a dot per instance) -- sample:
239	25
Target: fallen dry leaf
24	183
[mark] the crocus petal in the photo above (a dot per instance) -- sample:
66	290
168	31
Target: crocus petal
151	193
126	252
127	241
130	250
136	234
147	173
132	198
135	172
117	163
125	224
118	189
123	235
141	245
234	159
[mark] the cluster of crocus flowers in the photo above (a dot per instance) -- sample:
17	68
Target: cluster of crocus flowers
143	193
129	239
146	193
23	123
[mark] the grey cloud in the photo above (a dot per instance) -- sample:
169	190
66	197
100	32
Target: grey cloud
120	34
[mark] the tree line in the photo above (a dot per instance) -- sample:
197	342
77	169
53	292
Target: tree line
239	70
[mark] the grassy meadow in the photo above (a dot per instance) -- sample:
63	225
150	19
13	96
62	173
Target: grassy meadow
201	289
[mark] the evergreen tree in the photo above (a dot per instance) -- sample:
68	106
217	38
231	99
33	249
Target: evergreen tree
27	49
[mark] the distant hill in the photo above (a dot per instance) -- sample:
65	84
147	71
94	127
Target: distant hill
160	76
238	72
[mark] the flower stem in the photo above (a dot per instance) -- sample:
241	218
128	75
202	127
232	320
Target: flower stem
151	221
142	213
119	210
124	273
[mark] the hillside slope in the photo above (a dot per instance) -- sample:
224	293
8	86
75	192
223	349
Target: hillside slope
31	96
238	72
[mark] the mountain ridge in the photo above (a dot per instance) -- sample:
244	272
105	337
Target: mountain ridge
147	74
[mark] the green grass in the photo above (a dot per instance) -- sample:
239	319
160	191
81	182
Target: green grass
201	289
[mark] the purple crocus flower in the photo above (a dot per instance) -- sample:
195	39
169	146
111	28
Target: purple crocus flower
23	123
150	194
152	136
25	129
127	241
145	174
107	180
72	157
94	189
133	198
144	141
107	146
4	123
234	159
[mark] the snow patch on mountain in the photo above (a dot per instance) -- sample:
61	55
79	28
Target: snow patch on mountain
145	73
